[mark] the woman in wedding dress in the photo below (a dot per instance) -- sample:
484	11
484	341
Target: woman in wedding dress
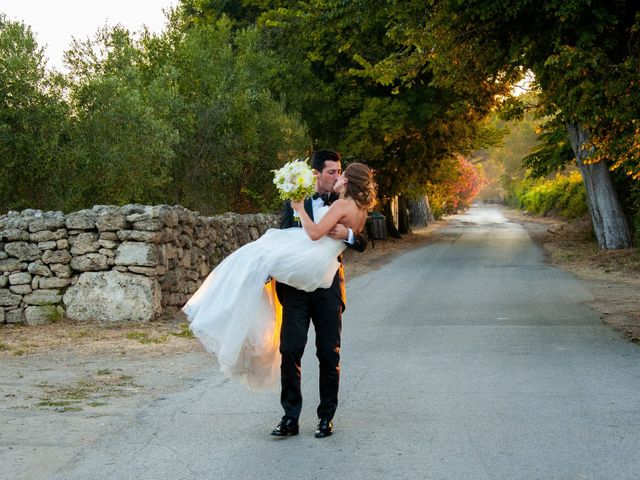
235	312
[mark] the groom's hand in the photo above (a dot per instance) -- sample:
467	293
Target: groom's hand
339	232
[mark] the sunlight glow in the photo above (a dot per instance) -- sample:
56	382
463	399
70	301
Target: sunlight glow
525	85
56	23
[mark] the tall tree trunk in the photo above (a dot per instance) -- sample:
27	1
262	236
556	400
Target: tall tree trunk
392	231
418	212
430	216
403	215
609	221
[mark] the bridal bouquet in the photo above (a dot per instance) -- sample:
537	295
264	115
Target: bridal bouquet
294	180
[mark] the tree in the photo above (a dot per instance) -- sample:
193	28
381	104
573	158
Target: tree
454	186
232	131
32	121
180	117
504	165
120	147
185	116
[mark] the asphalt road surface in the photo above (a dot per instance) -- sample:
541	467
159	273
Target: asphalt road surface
468	358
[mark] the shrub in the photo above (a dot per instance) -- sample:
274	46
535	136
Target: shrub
563	195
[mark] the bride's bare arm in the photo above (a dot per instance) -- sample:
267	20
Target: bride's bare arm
335	215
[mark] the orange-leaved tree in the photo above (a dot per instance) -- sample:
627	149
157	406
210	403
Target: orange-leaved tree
456	183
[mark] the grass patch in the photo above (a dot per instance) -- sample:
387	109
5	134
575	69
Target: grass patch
145	338
54	403
21	349
55	313
60	406
124	381
79	333
3	347
90	391
184	331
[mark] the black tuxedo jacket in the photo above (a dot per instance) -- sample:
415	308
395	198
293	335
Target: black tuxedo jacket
287	220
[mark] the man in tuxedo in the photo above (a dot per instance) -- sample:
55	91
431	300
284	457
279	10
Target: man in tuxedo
323	307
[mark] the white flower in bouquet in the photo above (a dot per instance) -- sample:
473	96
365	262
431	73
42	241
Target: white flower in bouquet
294	180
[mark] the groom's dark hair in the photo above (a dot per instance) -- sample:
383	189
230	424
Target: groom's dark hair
320	156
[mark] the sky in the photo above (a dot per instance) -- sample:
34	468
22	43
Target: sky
55	22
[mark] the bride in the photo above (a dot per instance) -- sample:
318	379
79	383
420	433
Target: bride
235	312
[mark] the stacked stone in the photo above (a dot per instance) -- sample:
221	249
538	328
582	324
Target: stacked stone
109	263
34	266
200	244
117	255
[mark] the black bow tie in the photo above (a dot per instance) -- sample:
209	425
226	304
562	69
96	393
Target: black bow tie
326	197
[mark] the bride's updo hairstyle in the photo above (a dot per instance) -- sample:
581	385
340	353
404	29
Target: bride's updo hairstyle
360	185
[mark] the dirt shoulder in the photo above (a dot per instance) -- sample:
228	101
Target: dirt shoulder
612	277
64	385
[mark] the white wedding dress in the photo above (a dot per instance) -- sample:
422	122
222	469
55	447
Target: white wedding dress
235	313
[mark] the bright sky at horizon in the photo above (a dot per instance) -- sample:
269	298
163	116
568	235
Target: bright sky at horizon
55	23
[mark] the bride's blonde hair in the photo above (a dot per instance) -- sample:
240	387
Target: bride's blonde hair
360	185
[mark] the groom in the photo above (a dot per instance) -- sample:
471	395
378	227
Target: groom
323	307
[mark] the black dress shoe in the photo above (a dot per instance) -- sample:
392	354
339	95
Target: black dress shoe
287	427
325	428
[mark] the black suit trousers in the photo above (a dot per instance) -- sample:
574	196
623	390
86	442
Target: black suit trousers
324	308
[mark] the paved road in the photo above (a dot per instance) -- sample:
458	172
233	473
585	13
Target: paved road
465	359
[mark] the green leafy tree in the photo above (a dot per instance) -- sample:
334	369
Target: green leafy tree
120	146
232	131
32	121
185	116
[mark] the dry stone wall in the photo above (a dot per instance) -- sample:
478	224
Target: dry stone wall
112	264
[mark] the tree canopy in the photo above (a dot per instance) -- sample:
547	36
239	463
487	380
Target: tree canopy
405	131
185	116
